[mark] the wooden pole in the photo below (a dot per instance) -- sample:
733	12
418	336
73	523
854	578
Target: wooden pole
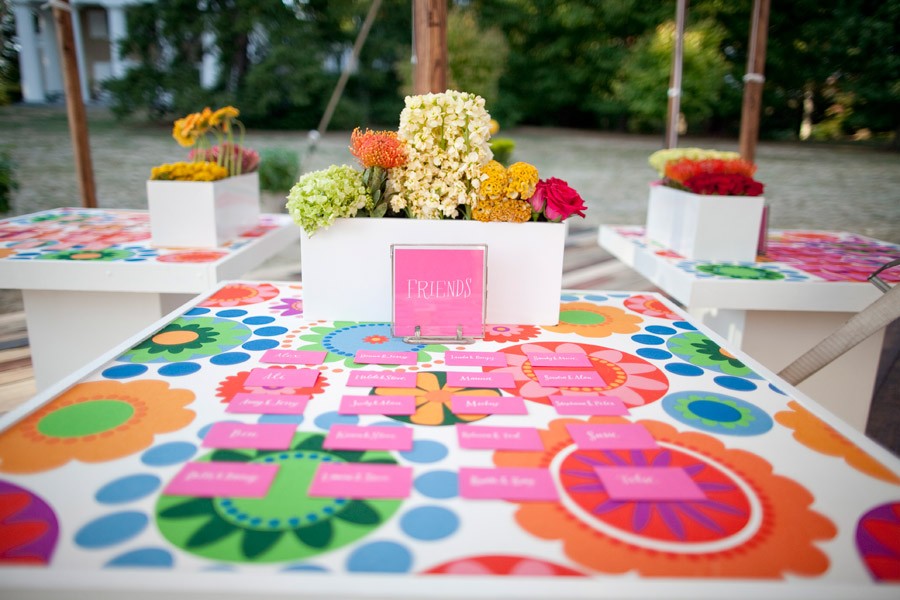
674	108
429	46
754	80
78	130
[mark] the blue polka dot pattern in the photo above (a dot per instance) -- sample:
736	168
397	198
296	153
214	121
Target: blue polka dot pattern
196	311
179	369
653	353
281	419
168	454
684	325
426	451
257	345
112	529
684	369
144	557
651	340
735	383
380	557
231	312
127	489
305	568
258	320
661	330
229	358
429	523
124	371
438	484
326	420
270	331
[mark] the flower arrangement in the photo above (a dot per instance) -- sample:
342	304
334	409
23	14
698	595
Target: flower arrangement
706	172
211	161
437	165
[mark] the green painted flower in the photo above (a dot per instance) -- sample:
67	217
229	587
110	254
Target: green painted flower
284	525
740	272
188	338
106	255
343	339
697	349
727	413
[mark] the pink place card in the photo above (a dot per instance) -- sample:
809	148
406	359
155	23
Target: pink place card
268	404
480	380
588	405
377	357
551	378
482	437
460	358
377	405
560	359
293	357
265	436
381	379
356	480
373	437
649	483
616	436
295	378
488	405
506	483
232	479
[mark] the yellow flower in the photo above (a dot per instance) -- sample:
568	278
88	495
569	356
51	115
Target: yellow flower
189	171
521	180
495	184
506	210
495	127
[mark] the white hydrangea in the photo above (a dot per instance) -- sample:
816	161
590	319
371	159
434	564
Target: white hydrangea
447	139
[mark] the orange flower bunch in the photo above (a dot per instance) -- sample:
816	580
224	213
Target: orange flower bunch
196	129
377	149
684	169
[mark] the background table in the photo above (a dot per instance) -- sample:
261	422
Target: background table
90	278
798	503
808	285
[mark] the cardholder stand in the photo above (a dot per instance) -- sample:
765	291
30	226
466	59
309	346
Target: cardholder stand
418	338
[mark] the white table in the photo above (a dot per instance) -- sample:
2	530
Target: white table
90	278
775	310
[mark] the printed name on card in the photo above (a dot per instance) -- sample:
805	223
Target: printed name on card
480	380
377	405
461	358
381	379
230	479
356	480
263	436
268	404
487	405
561	359
649	483
589	405
553	378
293	357
483	437
293	378
616	436
506	483
373	437
377	357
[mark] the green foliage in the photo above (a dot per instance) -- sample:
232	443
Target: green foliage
502	149
8	181
278	169
9	54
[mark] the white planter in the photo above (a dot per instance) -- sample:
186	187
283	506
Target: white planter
202	214
705	227
346	269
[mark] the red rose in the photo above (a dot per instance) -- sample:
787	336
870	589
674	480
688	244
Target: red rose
556	200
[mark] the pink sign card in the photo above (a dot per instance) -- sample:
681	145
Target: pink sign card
617	436
282	378
375	357
649	483
232	479
480	380
482	437
551	378
381	379
265	436
373	437
506	483
357	480
488	405
439	288
461	358
268	404
560	359
377	405
588	405
293	357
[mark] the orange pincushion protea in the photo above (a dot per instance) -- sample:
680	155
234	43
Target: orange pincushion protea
377	149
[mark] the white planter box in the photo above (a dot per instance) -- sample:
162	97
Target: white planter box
705	227
202	214
346	269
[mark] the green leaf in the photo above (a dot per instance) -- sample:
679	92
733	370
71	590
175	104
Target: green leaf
349	455
229	456
380	210
317	535
192	508
214	530
376	196
311	443
359	512
259	542
379	461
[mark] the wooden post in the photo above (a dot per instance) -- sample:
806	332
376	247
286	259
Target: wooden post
62	15
674	93
430	46
754	80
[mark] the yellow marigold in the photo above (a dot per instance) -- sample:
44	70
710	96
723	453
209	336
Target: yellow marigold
189	171
521	180
506	210
495	184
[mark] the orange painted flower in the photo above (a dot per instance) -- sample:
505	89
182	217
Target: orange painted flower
817	435
94	422
752	522
433	398
377	149
591	320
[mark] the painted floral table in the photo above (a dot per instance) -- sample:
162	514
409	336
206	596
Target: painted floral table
90	278
795	502
807	285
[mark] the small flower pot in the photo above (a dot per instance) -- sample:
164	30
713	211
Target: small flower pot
346	269
202	214
705	227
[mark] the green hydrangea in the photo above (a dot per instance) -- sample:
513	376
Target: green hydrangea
320	197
